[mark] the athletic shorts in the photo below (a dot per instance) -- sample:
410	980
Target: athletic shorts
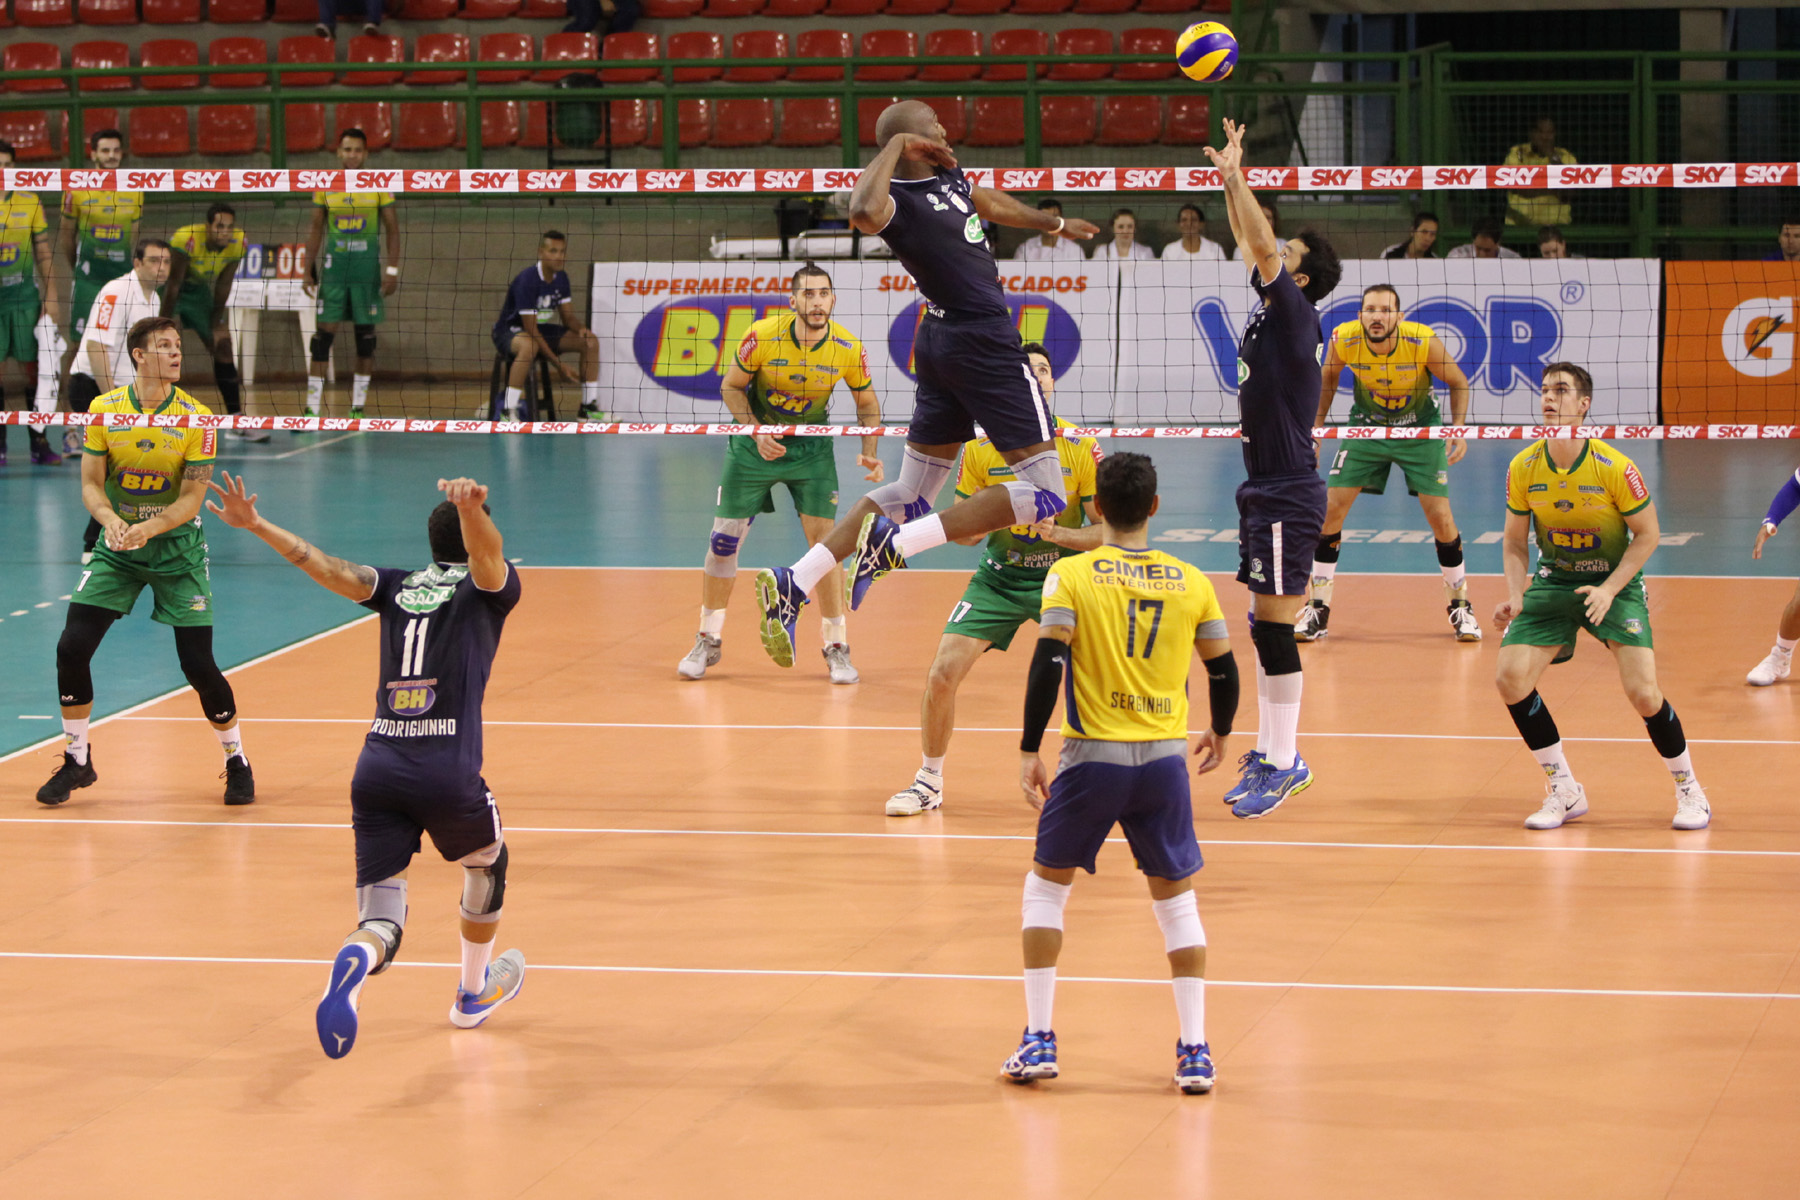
1279	519
82	293
174	568
358	301
1367	465
18	334
809	471
553	334
993	606
390	807
195	310
973	372
1555	613
1149	801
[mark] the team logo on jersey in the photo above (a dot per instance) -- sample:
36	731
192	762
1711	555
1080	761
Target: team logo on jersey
428	590
1575	539
1565	505
1243	371
410	698
138	482
1052	581
1633	626
197	604
9	254
1635	482
973	232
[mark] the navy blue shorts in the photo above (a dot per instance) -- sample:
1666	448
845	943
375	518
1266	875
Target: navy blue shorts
389	810
975	372
1150	803
553	336
1278	531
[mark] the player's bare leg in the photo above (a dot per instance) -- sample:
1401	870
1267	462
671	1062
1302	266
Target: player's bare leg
956	656
1450	562
1275	770
1637	674
524	352
487	982
1780	661
1184	940
833	625
1313	621
225	375
1516	676
1046	895
588	347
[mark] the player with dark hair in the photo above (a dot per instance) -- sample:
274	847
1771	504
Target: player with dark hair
1596	528
969	366
145	487
98	231
206	258
343	265
420	767
1118	629
25	304
1281	506
538	318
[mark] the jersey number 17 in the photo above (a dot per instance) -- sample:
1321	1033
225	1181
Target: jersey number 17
1153	611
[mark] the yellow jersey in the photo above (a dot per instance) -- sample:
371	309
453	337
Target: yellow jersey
1136	614
206	264
352	231
1536	210
1015	552
21	223
144	466
103	225
1392	388
791	381
1579	513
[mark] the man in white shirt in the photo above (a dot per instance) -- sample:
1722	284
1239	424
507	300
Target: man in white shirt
1193	243
1124	245
1051	245
1484	242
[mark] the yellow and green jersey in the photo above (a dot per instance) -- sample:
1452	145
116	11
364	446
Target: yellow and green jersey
104	223
791	380
205	263
352	244
1579	513
144	466
1137	614
21	220
1392	388
1015	553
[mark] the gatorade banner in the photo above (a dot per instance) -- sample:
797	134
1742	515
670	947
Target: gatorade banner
1729	347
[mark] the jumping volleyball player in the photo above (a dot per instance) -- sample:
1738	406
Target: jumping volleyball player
1282	504
970	368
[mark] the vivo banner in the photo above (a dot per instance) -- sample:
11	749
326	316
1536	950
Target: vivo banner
1142	343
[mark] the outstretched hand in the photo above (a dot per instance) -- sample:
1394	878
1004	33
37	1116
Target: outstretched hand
1764	532
1231	157
1076	228
464	493
239	508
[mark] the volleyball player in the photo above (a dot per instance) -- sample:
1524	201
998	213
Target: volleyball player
206	258
344	268
1282	504
1780	661
1123	621
25	244
969	365
420	767
1392	362
1003	594
1596	528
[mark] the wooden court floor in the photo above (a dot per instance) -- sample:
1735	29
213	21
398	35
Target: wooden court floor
744	981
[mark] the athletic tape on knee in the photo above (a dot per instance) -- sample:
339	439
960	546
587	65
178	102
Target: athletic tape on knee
1276	649
321	345
484	884
1044	902
1037	488
365	341
722	551
1179	919
381	911
912	494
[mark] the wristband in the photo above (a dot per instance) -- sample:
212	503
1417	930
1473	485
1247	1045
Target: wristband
394	271
1059	225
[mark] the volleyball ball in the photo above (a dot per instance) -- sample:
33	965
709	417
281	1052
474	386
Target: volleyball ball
1206	52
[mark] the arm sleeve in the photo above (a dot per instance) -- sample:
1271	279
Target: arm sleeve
1785	501
1041	686
1222	691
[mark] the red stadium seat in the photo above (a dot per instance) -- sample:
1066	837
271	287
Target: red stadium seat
102	56
944	43
951	114
439	48
732	8
1066	120
106	12
1186	122
93	120
693	124
43	14
499	123
172	12
1016	41
41	56
1082	41
504	47
427	10
428	125
853	8
814	121
169	52
5	17
374	48
819	43
1129	120
794	8
916	8
623	47
976	8
757	43
544	10
157	132
672	10
1040	7
305	127
1104	6
868	111
31	136
701	45
375	120
997	121
534	131
888	43
233	52
227	129
240	12
566	47
744	123
299	12
306	50
628	123
1167	6
1158	48
490	10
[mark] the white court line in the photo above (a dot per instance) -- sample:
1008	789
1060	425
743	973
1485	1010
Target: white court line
262	458
942	976
1154	546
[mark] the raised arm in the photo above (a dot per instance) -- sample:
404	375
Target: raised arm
871	208
1330	372
238	510
481	537
1248	225
1003	208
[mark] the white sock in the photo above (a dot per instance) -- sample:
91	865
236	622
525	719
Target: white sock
1785	645
933	764
813	566
1324	574
922	534
1455	578
1040	998
590	394
232	741
1556	767
712	621
1190	1008
835	631
475	965
1284	717
1682	768
1263	724
75	735
510	402
359	390
315	393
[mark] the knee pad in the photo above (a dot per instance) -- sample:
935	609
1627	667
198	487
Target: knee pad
1179	919
365	341
1276	650
1044	902
1331	545
193	647
1037	488
381	911
912	494
321	346
1450	554
722	550
484	884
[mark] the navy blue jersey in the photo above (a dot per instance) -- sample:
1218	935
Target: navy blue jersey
530	294
1278	380
937	235
439	634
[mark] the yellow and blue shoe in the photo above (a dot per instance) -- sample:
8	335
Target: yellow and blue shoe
336	1017
781	600
1193	1068
1251	768
1034	1059
1274	787
505	976
875	556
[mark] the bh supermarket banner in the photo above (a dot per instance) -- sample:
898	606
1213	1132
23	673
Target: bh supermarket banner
1141	343
1729	348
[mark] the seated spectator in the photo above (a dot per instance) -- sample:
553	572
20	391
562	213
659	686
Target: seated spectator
539	318
588	16
1787	241
1051	245
1484	241
1193	242
1420	243
1543	206
1551	244
1124	244
330	10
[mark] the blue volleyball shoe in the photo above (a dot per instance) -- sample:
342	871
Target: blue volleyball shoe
876	555
1034	1059
505	979
1193	1068
781	600
1251	768
336	1018
1274	787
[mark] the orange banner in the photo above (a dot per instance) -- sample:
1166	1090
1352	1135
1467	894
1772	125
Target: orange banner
1731	343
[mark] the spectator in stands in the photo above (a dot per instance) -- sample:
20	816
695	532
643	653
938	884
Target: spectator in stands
1193	242
1124	244
1420	243
1543	206
1051	245
24	304
1552	244
330	10
1484	241
1787	241
538	317
586	16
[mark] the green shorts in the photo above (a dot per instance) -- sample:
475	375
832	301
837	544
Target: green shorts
353	299
174	568
18	334
809	469
196	312
1554	614
1366	465
994	605
81	305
